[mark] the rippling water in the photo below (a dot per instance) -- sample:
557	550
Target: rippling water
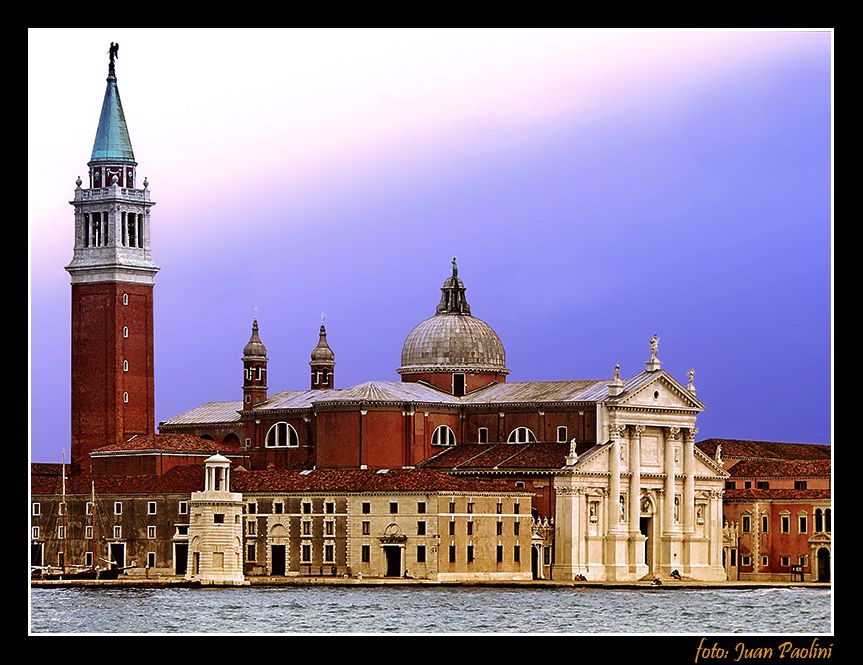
430	610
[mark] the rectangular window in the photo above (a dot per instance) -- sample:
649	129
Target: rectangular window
483	435
500	528
802	524
452	528
786	523
546	556
329	528
764	523
307	528
330	507
183	508
733	557
88	508
278	508
745	524
61	559
328	554
516	508
421	528
470	528
88	559
88	532
366	554
118	507
151	559
307	553
730	484
394	507
421	507
499	507
218	518
801	485
801	559
785	561
500	553
61	508
151	507
745	561
515	527
470	553
458	385
252	527
367	507
762	485
35	533
37	509
561	434
61	532
307	507
253	508
367	528
118	532
764	561
470	506
251	552
421	553
452	506
452	553
747	484
151	532
516	553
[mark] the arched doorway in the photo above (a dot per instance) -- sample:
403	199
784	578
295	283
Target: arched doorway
823	565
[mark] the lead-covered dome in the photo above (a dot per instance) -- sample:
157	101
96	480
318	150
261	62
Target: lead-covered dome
453	339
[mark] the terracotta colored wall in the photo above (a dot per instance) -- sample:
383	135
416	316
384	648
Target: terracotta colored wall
443	380
338	436
99	415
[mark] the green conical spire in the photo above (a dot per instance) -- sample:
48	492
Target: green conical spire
112	137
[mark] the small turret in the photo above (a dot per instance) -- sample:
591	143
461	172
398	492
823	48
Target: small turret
254	370
322	363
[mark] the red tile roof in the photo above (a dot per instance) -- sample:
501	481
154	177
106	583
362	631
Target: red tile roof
777	494
772	468
735	448
179	443
190	478
497	456
360	480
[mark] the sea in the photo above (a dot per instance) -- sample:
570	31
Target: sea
421	610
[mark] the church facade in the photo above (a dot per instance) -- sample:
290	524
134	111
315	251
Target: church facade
454	472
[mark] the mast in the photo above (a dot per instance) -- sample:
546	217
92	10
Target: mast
93	522
63	509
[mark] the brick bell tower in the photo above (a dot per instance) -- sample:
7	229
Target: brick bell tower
112	276
254	370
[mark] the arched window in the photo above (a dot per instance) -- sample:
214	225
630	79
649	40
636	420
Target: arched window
443	436
827	525
819	522
561	434
208	437
282	435
521	435
231	440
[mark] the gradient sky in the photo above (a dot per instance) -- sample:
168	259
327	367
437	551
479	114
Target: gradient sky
596	186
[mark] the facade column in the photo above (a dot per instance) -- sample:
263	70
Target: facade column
635	478
689	482
614	480
670	436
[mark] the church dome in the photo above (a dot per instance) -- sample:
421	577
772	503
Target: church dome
453	339
322	354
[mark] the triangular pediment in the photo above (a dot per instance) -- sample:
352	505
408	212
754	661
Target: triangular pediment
596	461
707	466
658	390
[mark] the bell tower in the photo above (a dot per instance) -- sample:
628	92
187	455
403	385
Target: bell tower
254	370
112	276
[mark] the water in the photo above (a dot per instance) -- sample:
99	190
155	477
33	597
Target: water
430	610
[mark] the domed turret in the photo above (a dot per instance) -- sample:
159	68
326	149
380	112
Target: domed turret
453	350
254	370
322	363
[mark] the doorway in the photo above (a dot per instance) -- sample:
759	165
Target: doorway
645	525
118	554
36	554
823	565
278	558
394	560
181	558
534	562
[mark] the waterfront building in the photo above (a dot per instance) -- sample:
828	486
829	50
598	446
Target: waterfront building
777	509
598	478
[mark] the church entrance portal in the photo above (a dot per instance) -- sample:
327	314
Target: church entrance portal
278	559
645	525
394	560
823	565
181	558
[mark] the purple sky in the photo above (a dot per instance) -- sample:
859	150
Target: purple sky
596	187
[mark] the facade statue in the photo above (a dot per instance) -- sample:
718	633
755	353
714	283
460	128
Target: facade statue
654	346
